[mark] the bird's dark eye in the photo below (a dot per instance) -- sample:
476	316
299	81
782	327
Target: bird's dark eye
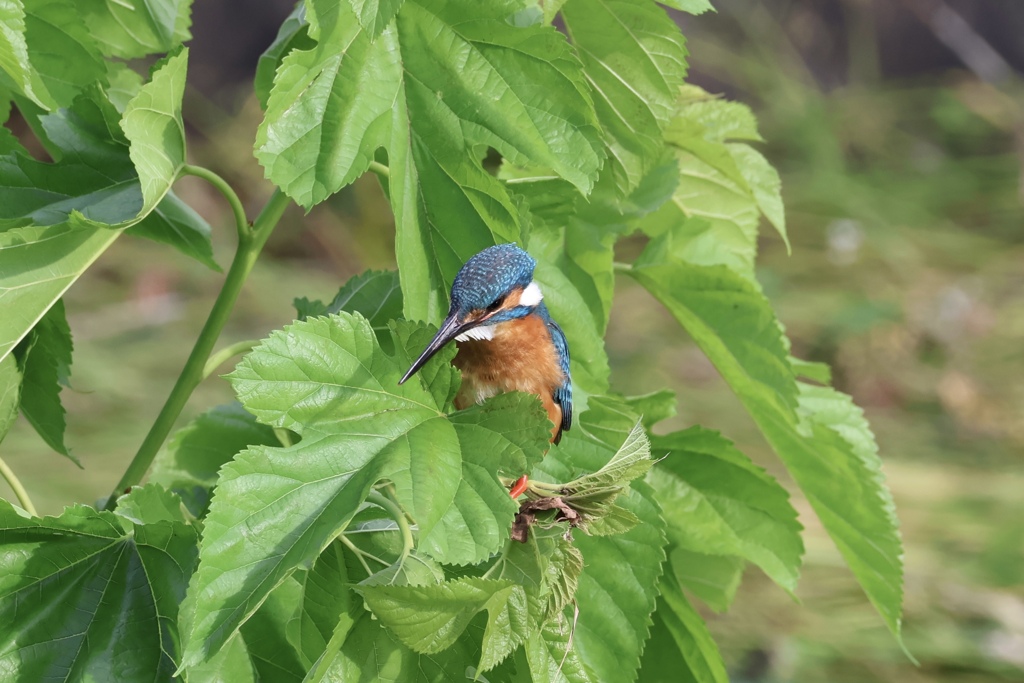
496	304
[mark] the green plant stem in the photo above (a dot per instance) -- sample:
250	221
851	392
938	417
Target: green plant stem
621	267
12	480
227	352
398	514
380	169
241	222
250	242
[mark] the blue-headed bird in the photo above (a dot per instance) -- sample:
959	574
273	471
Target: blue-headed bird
507	340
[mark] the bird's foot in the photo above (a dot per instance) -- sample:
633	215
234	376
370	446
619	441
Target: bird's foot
519	486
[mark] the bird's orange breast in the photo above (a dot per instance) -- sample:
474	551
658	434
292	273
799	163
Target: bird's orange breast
520	357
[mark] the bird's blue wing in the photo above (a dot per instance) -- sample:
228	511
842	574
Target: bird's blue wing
563	394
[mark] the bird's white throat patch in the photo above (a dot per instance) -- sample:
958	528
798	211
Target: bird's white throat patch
482	333
531	296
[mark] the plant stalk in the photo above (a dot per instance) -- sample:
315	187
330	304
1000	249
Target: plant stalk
226	353
12	480
251	241
398	514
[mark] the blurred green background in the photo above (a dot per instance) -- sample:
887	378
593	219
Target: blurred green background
898	129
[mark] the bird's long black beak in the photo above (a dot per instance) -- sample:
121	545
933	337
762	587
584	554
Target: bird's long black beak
450	328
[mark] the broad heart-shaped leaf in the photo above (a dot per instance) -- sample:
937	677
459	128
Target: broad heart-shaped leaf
56	219
828	449
634	58
188	465
717	502
136	28
442	79
328	380
429	619
45	361
89	595
681	648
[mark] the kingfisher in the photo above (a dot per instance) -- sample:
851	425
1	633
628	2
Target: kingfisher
506	338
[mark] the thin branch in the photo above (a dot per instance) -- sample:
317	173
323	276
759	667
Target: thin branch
218	358
19	490
241	222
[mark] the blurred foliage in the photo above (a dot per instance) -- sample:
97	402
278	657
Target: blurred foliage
902	173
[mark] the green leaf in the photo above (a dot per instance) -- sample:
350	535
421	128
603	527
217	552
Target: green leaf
63	52
691	6
724	186
328	380
376	295
177	224
45	362
429	619
79	204
69	585
152	123
325	599
611	584
195	453
370	654
446	78
635	60
136	28
374	15
10	394
269	635
293	35
230	665
717	502
828	449
14	55
834	459
621	572
551	656
712	578
691	635
37	265
729	320
150	504
654	407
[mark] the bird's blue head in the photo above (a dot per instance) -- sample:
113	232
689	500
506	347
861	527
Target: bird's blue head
492	287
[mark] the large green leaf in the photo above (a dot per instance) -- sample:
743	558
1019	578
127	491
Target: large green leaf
57	219
824	441
696	656
717	502
90	596
327	380
712	578
14	55
62	50
376	295
724	186
620	574
441	79
195	453
136	28
634	59
292	35
45	361
370	654
429	619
